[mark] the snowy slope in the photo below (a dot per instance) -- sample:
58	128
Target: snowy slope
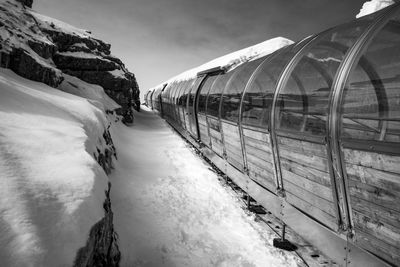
94	93
51	187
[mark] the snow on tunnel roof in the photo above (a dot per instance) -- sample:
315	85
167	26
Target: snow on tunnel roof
234	59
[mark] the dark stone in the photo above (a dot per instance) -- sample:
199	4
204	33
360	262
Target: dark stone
101	248
26	66
27	3
122	89
42	49
65	40
109	82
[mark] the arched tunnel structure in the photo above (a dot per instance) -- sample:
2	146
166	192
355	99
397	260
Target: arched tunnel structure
312	132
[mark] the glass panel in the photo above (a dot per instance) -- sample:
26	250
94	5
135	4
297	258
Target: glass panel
233	92
303	101
257	100
167	98
192	114
183	98
193	92
181	86
371	109
204	92
176	91
214	96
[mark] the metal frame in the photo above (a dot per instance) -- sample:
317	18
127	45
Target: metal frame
219	116
175	103
334	121
185	105
178	96
206	107
237	123
282	80
240	119
212	71
339	195
281	84
195	103
151	99
224	154
160	99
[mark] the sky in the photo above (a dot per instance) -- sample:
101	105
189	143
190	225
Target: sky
158	39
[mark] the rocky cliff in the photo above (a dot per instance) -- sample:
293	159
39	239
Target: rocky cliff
45	49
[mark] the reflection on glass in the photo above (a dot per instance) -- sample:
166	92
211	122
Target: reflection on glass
232	95
204	92
214	96
371	109
183	98
303	101
259	95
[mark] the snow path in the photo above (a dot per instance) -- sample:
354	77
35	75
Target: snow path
171	210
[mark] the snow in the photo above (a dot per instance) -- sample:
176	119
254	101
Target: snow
232	60
58	25
171	210
118	73
94	93
373	6
78	54
82	45
51	187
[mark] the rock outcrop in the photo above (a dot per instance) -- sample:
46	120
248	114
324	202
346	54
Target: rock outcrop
24	48
101	248
43	49
46	50
27	3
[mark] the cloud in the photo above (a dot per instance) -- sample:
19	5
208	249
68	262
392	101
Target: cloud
373	6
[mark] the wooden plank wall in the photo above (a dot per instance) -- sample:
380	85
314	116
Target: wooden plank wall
233	145
306	179
260	161
203	128
215	135
374	185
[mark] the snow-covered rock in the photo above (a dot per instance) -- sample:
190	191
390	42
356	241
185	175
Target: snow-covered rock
43	49
24	48
52	187
55	145
373	6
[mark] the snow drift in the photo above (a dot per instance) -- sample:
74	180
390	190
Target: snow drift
52	188
55	145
